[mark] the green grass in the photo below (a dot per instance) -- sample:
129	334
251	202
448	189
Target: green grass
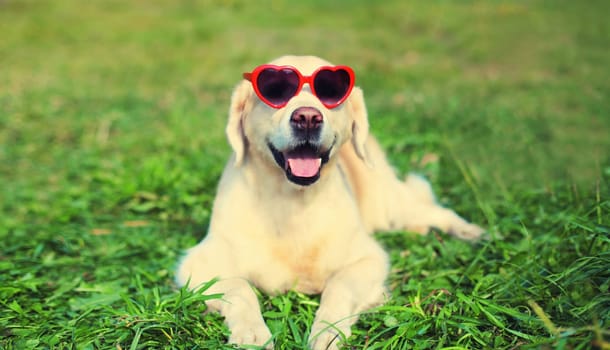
112	140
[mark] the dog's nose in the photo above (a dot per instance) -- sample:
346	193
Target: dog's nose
306	118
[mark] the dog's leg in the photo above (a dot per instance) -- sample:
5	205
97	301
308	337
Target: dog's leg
242	313
239	304
348	292
387	203
419	211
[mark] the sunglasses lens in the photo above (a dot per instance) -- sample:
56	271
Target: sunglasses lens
332	86
278	86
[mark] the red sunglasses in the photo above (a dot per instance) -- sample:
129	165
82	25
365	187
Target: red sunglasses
276	85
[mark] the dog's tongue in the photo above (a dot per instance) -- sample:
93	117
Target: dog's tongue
304	166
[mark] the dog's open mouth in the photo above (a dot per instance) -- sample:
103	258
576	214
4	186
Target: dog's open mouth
303	163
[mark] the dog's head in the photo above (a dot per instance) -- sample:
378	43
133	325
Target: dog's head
300	131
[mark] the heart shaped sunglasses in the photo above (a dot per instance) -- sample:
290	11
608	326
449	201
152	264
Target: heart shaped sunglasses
276	85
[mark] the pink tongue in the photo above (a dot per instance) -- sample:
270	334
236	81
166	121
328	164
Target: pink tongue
304	167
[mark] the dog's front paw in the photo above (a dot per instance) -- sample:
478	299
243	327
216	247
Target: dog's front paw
324	336
251	333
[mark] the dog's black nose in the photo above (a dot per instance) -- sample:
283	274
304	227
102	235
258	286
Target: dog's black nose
306	119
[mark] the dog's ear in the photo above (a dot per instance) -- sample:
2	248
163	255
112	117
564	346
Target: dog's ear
240	103
360	123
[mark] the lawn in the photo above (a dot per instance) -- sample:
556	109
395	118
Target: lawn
112	141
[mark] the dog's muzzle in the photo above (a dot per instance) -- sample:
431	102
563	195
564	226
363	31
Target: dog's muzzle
306	123
303	163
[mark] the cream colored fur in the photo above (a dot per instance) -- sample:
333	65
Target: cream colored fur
275	235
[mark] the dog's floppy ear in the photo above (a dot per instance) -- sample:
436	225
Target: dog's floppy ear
240	103
360	123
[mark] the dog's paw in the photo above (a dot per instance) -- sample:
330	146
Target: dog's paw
251	333
324	336
467	231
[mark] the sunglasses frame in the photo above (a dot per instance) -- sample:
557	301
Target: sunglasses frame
253	78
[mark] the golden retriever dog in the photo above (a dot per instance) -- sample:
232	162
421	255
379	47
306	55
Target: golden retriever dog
297	203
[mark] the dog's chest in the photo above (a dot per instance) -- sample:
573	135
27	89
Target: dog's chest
305	241
306	267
